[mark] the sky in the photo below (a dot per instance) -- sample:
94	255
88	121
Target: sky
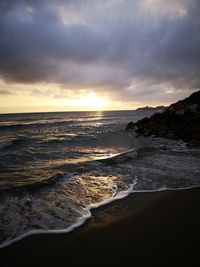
71	55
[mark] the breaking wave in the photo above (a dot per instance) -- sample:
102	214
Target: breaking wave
51	177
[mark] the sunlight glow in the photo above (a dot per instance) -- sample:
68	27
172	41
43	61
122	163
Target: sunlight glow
92	101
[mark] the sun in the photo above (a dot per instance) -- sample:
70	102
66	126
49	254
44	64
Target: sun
92	102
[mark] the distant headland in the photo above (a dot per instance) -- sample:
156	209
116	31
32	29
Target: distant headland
158	108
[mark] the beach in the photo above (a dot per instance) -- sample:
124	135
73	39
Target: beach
143	228
99	133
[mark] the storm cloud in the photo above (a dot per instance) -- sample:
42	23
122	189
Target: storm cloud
125	48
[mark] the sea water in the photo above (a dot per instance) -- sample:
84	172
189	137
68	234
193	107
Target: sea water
56	167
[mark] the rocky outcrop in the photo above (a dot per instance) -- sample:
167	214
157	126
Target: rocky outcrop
180	120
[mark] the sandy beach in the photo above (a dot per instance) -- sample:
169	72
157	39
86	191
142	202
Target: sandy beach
144	228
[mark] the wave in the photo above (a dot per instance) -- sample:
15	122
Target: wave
138	163
141	152
6	144
16	143
59	141
88	213
68	169
32	124
79	222
34	186
129	155
49	123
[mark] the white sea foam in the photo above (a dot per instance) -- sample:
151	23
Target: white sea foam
87	212
79	222
91	178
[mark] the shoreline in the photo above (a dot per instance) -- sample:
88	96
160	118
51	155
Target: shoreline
137	225
90	210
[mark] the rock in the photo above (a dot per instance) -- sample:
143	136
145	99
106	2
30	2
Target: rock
180	120
130	125
180	112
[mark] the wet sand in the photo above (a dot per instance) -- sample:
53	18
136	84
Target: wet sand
144	228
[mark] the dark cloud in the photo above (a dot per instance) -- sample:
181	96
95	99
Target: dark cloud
128	51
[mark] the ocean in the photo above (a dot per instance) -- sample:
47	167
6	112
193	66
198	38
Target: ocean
56	167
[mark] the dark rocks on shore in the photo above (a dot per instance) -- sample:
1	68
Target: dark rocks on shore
180	120
130	125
